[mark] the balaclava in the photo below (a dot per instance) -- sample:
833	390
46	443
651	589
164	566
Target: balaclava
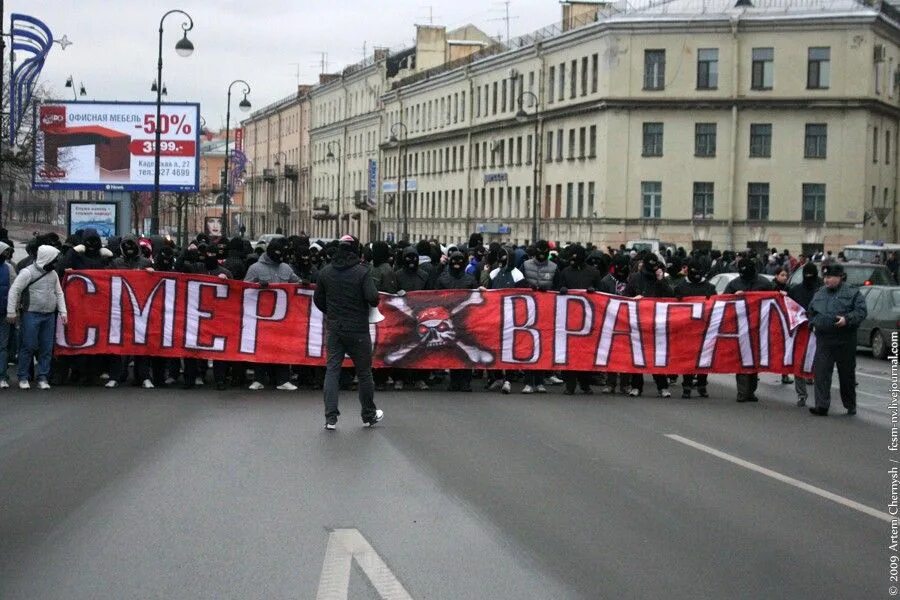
165	259
810	274
577	256
410	260
621	268
457	263
747	269
130	249
695	272
275	250
541	251
92	245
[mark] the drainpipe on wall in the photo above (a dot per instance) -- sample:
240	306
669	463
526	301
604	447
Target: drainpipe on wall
732	152
471	114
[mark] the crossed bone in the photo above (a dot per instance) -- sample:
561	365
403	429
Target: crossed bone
475	354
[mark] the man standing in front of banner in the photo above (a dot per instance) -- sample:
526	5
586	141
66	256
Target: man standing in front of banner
345	292
835	314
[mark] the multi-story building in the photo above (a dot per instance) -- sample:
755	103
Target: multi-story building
276	142
348	121
704	122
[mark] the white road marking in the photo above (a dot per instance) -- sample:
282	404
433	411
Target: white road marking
881	377
868	510
344	545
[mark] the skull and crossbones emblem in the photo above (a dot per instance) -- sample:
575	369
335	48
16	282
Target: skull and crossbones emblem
435	328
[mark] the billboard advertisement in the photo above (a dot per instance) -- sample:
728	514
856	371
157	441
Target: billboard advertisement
93	215
110	146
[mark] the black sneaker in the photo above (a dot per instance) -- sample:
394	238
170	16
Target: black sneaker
702	392
819	412
801	401
851	411
379	415
686	393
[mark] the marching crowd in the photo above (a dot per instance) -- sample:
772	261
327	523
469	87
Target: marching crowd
34	297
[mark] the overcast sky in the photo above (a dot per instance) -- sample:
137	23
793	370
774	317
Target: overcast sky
262	41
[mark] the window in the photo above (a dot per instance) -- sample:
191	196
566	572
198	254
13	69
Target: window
887	147
651	199
654	69
494	100
562	81
503	96
818	69
595	67
814	202
584	76
580	212
551	80
571	144
593	142
763	69
570	200
559	144
518	150
757	201
590	199
760	140
582	141
875	146
528	150
703	199
549	157
707	68
705	139
653	139
573	87
816	140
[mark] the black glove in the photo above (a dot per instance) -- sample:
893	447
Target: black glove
263	284
591	290
563	291
535	288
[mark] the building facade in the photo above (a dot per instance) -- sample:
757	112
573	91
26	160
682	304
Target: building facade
698	123
276	142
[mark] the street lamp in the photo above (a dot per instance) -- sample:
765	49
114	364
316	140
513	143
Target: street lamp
330	156
70	83
244	106
522	117
165	91
401	172
183	48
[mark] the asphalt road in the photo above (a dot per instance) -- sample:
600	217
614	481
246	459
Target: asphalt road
168	494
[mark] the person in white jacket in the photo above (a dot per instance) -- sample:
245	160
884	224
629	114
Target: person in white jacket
42	297
7	276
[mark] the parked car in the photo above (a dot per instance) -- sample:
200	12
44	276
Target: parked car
870	253
721	281
858	275
883	320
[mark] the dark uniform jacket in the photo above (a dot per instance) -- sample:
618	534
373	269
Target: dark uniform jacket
827	305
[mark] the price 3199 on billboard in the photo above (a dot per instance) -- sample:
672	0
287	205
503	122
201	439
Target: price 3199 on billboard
111	146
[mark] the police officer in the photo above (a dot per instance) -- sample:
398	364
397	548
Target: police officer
835	314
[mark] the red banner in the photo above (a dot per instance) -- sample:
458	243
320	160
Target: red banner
176	315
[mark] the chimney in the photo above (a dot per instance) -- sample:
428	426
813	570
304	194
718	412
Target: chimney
328	77
381	54
431	46
575	14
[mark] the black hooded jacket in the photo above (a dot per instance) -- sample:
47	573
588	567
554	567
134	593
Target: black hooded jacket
236	259
451	279
644	283
344	292
410	280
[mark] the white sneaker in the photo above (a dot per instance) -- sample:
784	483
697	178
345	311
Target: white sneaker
170	381
634	392
147	384
507	388
398	386
112	383
24	385
330	426
379	415
43	385
496	385
541	389
665	393
554	380
4	384
256	386
421	386
287	386
104	376
606	390
527	390
198	381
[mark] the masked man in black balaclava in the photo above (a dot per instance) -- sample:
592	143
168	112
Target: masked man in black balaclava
802	293
131	259
614	283
649	282
578	275
695	285
748	280
454	277
271	268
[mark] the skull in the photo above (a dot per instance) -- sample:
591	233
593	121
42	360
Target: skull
435	328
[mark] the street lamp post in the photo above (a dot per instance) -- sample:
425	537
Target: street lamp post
330	155
401	172
280	212
70	83
183	48
244	106
522	117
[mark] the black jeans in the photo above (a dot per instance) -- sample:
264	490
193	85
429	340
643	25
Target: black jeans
746	385
583	379
661	381
827	356
689	379
358	346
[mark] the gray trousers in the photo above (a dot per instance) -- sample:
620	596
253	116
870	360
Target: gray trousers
800	386
827	356
358	346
